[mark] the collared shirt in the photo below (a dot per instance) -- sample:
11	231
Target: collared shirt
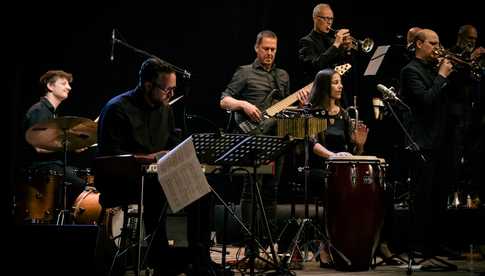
128	125
259	87
39	112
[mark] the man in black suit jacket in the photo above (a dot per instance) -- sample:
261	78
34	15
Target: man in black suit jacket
423	81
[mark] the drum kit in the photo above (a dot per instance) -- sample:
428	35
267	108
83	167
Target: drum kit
62	134
353	198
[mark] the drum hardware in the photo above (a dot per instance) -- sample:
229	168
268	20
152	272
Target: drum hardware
310	125
64	134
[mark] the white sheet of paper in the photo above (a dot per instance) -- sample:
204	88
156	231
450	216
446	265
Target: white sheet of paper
181	177
376	60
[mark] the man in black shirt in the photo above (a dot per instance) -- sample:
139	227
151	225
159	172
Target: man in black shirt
141	122
40	163
464	115
322	48
253	88
422	86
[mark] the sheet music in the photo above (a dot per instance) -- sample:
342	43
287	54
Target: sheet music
181	176
376	60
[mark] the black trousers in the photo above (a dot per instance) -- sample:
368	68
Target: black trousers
428	202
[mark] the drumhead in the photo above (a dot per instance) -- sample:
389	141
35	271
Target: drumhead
354	158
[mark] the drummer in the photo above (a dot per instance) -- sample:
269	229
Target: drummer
55	85
339	138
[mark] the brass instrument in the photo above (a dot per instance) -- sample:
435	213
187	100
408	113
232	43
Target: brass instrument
366	45
355	121
473	65
454	58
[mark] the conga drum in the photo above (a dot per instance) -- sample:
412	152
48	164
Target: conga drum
354	210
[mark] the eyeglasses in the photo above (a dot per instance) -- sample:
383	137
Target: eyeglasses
326	18
165	90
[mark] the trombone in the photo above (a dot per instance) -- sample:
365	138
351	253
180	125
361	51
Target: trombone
475	68
366	45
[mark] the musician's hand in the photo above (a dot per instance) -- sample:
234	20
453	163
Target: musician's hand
446	67
477	53
252	111
359	135
81	149
340	37
303	96
347	43
342	154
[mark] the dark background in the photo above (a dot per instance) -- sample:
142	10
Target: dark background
209	39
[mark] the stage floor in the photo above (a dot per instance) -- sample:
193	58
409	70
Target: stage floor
470	266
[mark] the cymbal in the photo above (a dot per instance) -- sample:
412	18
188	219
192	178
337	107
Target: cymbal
74	132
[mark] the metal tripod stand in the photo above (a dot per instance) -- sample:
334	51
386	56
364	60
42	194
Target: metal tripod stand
306	222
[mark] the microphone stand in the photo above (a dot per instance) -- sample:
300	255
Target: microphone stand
416	149
185	73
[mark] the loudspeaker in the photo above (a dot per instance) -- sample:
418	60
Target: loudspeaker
54	250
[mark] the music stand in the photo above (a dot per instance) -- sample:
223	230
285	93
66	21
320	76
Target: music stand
245	150
414	148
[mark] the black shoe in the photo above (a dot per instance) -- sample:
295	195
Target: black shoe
327	264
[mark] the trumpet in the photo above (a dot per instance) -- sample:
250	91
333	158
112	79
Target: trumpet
366	45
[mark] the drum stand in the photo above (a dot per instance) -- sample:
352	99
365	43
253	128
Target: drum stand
411	262
63	193
306	221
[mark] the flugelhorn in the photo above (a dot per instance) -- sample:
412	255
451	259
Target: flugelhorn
366	45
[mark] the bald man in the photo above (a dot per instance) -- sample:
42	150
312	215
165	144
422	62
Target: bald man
422	86
411	35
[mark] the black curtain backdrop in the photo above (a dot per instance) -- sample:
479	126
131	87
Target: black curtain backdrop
208	38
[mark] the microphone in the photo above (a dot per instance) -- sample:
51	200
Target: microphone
389	94
113	38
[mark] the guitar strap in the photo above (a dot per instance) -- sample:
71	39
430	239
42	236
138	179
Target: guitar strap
268	100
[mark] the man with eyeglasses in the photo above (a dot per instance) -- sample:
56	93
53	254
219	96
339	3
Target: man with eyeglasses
423	82
322	47
141	122
464	114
